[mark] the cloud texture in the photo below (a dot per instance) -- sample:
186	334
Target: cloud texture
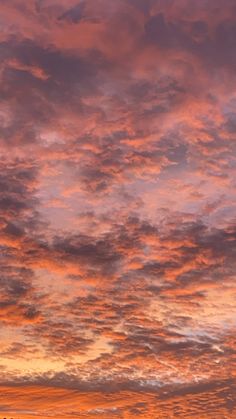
117	208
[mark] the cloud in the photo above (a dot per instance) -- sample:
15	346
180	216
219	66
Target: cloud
117	208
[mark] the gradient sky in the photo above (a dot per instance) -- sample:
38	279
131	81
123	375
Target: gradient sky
117	209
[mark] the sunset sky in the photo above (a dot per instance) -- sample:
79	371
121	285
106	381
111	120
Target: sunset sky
118	209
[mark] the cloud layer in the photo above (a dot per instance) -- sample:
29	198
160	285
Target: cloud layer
117	208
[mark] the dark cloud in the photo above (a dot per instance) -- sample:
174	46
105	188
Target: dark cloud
95	253
75	14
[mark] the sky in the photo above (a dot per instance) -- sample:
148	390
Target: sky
117	209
